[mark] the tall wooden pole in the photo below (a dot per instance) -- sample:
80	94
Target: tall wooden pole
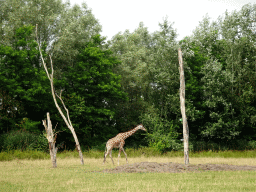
182	108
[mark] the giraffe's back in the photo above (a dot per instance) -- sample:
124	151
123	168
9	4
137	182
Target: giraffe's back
115	142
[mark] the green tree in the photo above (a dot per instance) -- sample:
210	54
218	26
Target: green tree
132	50
62	29
74	29
16	13
22	78
164	74
238	30
227	72
164	90
149	71
92	91
10	108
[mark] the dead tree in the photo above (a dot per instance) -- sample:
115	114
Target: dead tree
51	137
66	119
182	108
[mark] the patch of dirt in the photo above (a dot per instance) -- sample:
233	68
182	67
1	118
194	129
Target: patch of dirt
153	167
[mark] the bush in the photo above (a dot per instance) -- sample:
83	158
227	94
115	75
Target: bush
162	134
23	140
251	145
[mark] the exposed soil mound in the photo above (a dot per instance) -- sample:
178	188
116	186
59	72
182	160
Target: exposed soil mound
146	167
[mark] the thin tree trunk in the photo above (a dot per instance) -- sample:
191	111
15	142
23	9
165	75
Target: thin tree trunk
182	107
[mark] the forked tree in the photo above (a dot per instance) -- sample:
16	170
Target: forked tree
66	119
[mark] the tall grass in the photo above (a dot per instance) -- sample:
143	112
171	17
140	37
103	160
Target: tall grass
141	152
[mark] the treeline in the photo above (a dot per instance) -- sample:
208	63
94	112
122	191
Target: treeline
109	87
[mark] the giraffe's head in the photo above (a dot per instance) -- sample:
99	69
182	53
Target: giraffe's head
142	127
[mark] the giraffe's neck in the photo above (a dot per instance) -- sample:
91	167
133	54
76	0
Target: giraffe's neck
129	133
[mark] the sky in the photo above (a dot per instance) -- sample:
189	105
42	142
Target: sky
118	15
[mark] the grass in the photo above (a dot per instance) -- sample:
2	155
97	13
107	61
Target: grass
37	175
34	172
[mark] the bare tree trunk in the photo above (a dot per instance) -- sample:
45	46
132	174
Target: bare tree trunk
66	119
182	107
51	140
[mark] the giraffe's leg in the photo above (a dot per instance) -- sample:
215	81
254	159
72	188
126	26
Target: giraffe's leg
110	154
125	155
106	154
119	155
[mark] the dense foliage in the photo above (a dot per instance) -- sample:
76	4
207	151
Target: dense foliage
23	81
134	78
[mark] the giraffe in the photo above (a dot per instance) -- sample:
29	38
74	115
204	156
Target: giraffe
118	142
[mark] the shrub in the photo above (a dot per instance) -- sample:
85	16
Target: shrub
162	134
23	140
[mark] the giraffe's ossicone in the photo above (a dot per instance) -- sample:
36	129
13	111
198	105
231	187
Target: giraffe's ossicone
118	142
